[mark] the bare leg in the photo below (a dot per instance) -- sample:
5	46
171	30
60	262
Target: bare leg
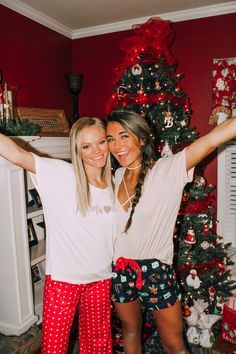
170	324
130	315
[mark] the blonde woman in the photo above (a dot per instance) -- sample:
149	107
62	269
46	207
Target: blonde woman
77	201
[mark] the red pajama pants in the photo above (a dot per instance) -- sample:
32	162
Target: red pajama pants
61	300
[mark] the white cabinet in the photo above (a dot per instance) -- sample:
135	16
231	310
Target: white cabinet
20	300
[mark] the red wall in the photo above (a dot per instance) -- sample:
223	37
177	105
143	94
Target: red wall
197	42
36	59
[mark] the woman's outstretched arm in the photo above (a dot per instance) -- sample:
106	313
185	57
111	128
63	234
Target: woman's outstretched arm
15	154
202	147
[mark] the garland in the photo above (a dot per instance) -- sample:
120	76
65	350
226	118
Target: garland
124	100
201	268
196	207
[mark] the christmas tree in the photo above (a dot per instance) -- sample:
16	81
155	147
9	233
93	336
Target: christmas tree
202	263
148	84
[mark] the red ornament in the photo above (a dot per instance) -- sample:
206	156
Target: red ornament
206	229
186	310
212	292
185	196
190	238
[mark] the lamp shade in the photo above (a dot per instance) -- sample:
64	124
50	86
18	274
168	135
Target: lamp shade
74	82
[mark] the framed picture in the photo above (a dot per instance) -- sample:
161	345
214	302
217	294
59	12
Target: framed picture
35	197
36	273
31	233
52	122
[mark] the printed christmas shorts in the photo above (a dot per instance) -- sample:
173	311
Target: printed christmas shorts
150	280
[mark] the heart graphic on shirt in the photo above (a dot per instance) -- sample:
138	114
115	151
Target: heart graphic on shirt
107	208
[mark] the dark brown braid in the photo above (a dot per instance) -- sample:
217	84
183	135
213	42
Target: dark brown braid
145	167
138	126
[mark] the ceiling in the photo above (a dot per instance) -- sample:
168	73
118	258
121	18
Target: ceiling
83	18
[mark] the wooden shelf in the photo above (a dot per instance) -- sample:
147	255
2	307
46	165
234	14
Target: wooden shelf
33	212
38	300
38	253
19	295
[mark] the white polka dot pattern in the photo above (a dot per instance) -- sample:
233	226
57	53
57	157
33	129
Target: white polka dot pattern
60	304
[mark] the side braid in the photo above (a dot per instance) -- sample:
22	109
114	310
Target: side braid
145	167
138	126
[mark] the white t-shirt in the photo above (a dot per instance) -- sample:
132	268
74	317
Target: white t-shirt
79	249
151	232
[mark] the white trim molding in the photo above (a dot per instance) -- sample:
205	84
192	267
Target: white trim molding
37	16
184	15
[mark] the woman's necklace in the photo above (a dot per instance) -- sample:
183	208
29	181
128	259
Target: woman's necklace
134	168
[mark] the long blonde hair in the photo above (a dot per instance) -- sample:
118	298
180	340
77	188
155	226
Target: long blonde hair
82	186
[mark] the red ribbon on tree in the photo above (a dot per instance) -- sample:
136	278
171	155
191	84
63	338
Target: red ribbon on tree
201	268
196	207
154	37
124	100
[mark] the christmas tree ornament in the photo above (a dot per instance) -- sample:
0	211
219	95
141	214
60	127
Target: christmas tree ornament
121	91
185	196
206	228
186	310
199	181
157	85
204	245
219	306
169	120
136	69
140	90
190	237
211	224
166	151
193	279
212	292
183	123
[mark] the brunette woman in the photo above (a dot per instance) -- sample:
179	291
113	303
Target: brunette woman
147	199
